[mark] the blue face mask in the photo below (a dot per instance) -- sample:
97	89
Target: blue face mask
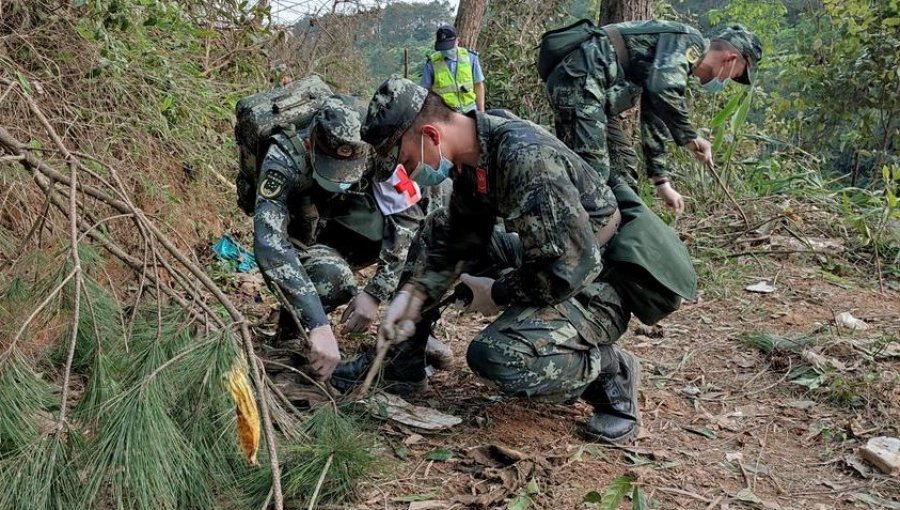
716	84
333	187
427	175
450	54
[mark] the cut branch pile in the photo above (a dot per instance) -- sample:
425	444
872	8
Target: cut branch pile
83	196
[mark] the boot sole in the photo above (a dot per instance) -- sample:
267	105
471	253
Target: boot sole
635	368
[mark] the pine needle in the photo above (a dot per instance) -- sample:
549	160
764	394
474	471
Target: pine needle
771	344
42	474
23	395
333	437
142	459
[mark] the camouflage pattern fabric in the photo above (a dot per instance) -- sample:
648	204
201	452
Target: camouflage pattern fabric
339	154
291	206
588	84
543	192
550	353
548	343
747	44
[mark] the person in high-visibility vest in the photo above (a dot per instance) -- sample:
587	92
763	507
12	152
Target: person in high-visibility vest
454	73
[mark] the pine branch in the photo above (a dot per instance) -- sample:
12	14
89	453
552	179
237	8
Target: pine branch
76	314
126	207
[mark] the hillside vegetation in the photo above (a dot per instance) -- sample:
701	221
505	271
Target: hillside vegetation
126	358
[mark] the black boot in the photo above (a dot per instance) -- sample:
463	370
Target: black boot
403	371
616	417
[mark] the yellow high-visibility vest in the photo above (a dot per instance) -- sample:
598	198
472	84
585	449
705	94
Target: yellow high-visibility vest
458	92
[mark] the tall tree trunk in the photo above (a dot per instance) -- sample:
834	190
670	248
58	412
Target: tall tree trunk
468	21
616	11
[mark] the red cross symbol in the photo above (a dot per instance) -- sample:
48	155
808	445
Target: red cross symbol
404	184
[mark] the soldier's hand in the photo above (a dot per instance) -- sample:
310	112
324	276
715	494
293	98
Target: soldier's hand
702	150
671	198
481	291
404	308
324	354
359	313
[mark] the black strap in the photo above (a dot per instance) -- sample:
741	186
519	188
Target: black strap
623	56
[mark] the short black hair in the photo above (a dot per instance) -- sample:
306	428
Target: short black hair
433	109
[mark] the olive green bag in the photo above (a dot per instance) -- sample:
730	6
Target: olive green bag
648	264
556	44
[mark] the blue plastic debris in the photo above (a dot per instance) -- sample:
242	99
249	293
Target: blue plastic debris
227	249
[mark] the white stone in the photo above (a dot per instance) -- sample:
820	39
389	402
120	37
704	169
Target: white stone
884	453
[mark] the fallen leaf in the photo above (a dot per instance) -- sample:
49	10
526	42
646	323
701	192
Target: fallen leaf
801	404
440	455
414	497
762	287
705	432
733	456
413	439
858	465
392	407
850	322
878	502
434	504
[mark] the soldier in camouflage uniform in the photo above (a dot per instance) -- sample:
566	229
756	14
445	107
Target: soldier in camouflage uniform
317	218
596	82
554	339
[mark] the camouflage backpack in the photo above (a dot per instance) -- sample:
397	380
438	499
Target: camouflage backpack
284	110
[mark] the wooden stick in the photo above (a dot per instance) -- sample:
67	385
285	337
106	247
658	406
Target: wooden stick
727	192
315	496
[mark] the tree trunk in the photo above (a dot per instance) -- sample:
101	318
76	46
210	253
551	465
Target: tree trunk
468	22
616	11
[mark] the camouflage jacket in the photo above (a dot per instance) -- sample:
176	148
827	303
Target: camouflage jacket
541	190
294	212
660	63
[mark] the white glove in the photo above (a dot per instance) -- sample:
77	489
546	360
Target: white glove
324	354
399	321
481	294
359	313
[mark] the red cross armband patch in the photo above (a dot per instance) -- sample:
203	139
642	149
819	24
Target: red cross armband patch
398	193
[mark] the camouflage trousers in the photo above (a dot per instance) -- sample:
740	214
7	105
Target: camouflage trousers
333	278
579	103
549	353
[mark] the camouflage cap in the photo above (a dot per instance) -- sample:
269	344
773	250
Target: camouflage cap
338	154
392	111
747	45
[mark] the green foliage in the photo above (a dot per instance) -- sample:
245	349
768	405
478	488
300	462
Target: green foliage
24	394
332	439
43	473
614	494
511	34
402	26
142	457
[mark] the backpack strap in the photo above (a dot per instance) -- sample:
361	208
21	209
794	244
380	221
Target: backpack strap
623	56
290	141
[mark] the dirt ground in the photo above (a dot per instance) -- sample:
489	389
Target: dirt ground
724	425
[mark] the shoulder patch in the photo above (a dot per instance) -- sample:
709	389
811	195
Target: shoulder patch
273	185
692	54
